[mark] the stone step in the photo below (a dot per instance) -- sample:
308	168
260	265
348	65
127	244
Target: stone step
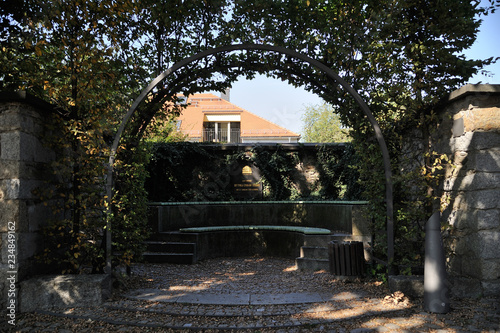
170	247
314	252
316	240
160	316
41	292
312	264
171	258
410	285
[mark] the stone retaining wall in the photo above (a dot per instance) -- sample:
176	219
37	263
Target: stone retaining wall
470	133
24	165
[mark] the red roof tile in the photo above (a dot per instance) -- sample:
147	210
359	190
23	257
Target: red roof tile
251	125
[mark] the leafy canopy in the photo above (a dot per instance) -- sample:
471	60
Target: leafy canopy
322	124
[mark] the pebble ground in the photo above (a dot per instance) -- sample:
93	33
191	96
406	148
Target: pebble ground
359	306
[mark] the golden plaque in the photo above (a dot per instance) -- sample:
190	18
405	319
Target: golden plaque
246	170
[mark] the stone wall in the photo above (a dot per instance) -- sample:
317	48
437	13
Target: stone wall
24	166
470	133
339	216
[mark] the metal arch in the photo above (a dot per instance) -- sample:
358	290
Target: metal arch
239	47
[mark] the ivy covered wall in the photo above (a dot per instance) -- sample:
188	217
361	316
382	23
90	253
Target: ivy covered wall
202	172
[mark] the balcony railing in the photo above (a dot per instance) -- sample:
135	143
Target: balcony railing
209	135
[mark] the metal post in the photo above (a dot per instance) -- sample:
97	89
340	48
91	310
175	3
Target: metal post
436	292
109	193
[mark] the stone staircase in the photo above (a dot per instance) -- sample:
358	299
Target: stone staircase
180	248
171	247
129	315
314	253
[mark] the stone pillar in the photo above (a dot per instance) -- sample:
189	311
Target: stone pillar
24	166
470	133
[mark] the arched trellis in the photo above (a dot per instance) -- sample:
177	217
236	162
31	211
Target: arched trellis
240	47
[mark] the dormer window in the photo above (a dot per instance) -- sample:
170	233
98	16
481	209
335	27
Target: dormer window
222	132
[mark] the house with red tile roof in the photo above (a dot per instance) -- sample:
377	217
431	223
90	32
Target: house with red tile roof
209	118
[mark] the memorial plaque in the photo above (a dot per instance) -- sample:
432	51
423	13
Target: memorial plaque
245	182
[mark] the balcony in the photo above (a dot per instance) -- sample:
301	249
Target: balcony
221	135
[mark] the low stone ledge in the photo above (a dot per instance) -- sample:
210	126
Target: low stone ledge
56	291
410	285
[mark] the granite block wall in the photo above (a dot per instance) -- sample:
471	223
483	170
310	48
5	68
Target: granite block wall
24	166
470	134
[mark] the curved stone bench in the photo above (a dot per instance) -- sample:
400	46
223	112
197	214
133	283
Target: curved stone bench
304	230
245	240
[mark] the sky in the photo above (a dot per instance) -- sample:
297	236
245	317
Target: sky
284	105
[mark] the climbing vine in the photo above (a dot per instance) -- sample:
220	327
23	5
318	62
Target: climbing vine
277	169
176	174
129	218
74	193
417	173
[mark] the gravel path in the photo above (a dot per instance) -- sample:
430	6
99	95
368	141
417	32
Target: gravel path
361	306
230	275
